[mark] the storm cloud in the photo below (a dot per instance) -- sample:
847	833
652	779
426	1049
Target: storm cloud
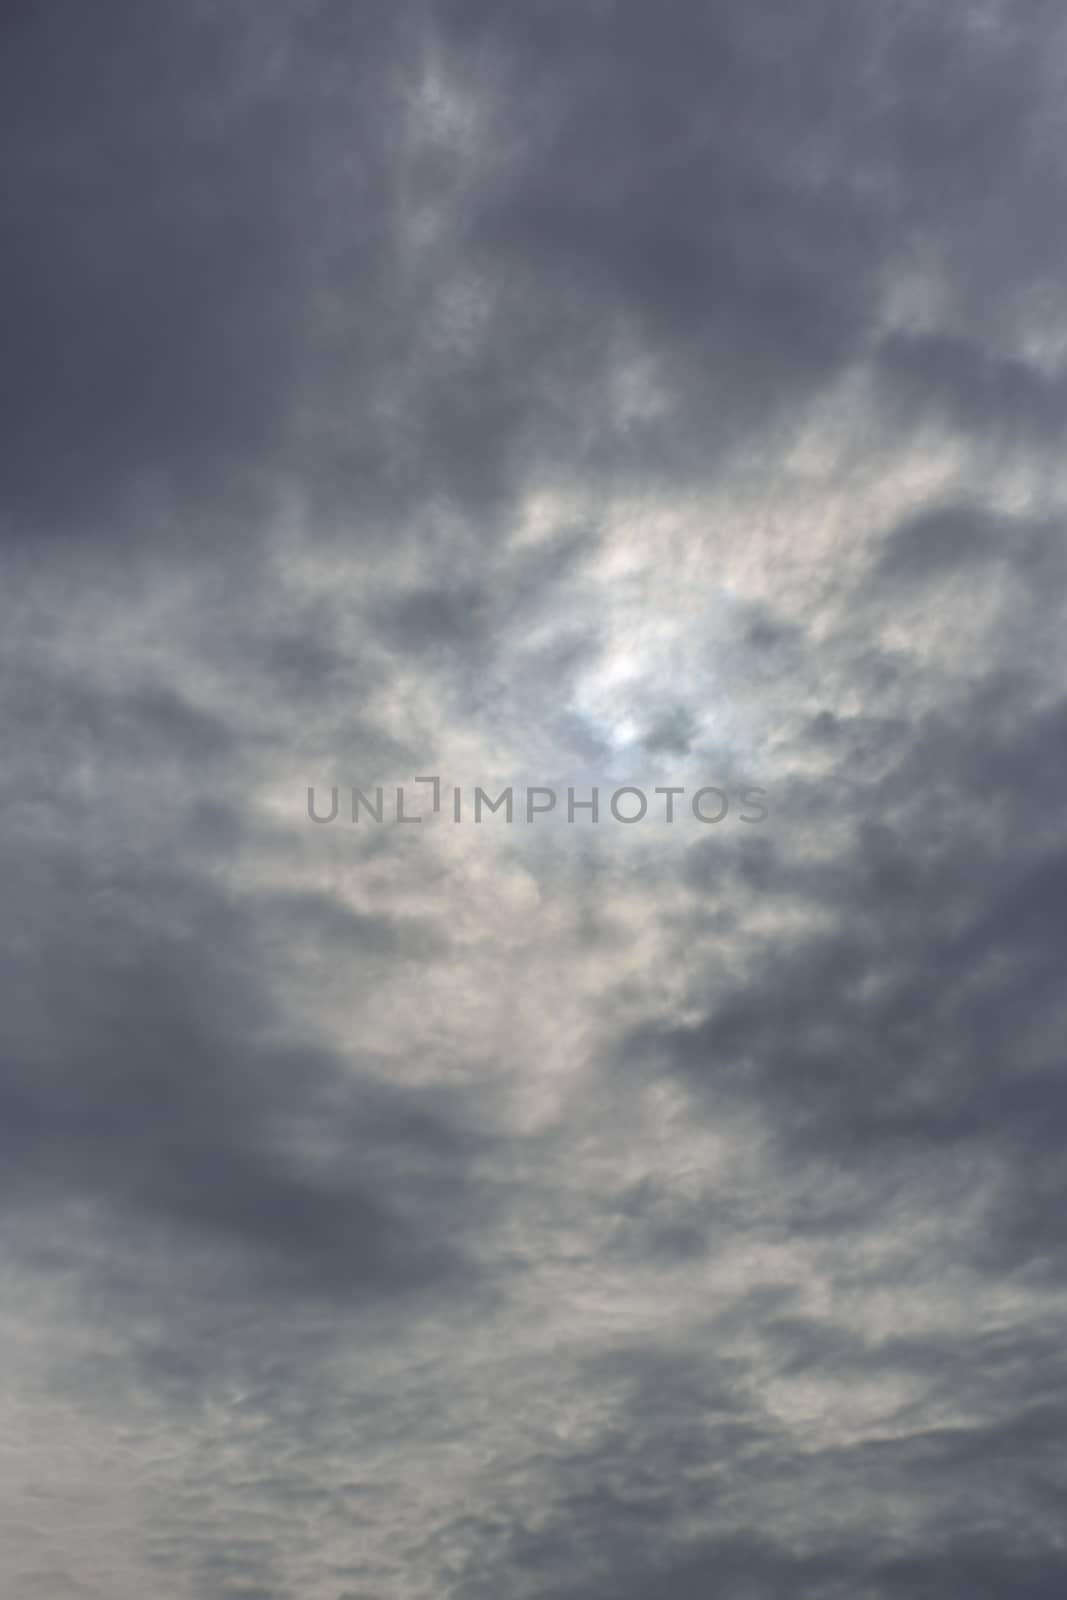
581	395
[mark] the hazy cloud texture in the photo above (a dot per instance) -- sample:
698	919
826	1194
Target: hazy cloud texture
572	394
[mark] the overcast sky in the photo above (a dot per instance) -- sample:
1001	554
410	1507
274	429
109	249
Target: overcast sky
579	395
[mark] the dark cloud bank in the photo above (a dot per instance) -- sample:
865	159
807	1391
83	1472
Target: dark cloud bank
576	394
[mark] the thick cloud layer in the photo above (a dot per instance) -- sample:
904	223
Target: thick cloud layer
586	395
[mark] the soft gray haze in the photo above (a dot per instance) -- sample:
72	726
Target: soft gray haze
576	394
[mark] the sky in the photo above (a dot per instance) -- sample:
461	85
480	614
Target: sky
571	396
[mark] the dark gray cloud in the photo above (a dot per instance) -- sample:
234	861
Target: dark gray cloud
582	395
